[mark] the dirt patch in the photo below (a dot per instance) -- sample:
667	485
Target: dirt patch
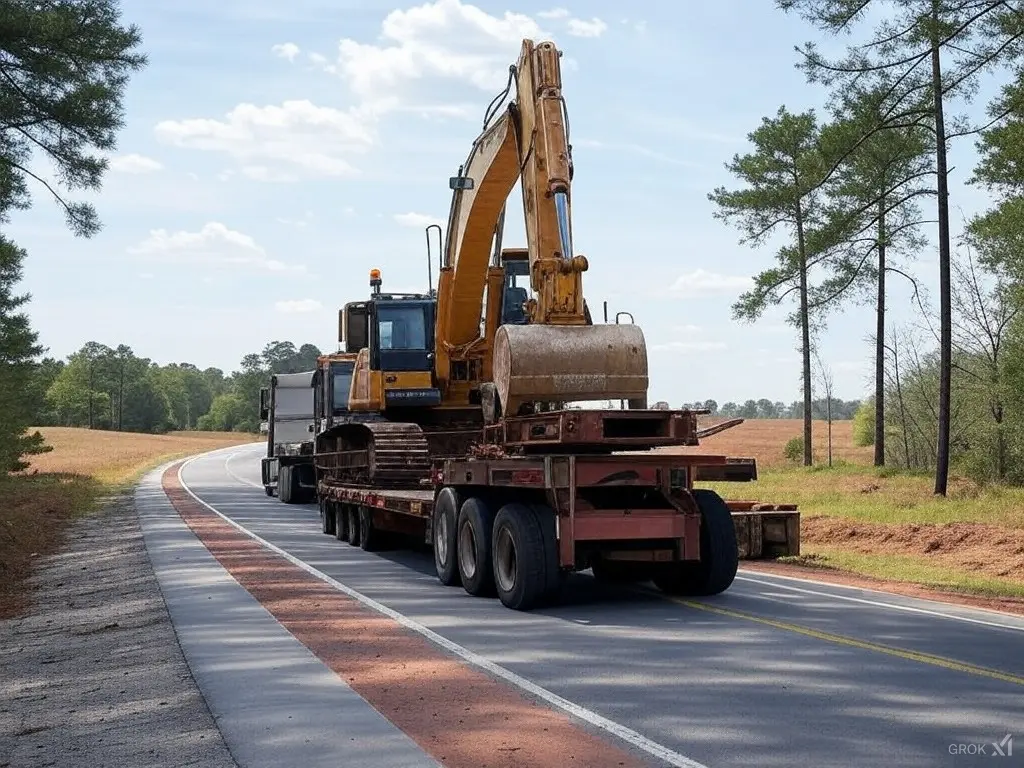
459	715
987	550
33	521
93	675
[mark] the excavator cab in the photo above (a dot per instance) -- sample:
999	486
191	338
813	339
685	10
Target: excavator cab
392	335
516	263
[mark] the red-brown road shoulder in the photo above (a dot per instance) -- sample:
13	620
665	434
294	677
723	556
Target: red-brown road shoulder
456	713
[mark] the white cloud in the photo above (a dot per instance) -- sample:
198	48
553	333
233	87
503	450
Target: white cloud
416	219
286	51
583	28
636	149
554	13
443	40
298	306
134	164
215	245
700	283
296	134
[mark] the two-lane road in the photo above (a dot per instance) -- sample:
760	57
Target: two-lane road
776	671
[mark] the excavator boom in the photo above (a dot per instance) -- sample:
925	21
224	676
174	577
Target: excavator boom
558	356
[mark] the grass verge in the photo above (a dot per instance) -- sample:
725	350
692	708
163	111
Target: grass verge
84	468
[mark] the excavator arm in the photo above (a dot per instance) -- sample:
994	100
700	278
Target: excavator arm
557	356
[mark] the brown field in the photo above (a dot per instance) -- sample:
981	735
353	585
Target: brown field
764	439
83	467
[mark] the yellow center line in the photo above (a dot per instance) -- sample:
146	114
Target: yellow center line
924	658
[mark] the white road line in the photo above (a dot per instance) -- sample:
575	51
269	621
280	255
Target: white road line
875	603
626	734
227	468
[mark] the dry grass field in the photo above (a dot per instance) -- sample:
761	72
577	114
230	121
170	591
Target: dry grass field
83	467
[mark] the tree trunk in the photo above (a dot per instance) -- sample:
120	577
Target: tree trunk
880	343
945	305
805	333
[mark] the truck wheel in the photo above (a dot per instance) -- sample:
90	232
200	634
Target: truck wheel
369	536
284	484
474	547
327	516
340	521
443	530
719	556
554	577
353	525
520	575
268	489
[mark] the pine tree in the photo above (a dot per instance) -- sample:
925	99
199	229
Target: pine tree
18	350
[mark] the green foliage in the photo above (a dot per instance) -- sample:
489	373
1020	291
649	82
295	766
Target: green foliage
18	349
63	68
226	414
794	449
864	424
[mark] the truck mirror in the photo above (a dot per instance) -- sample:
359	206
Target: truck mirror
264	405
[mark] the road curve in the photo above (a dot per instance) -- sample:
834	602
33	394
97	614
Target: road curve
776	671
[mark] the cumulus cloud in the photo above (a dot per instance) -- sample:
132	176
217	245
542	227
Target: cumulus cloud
583	28
214	245
286	51
134	164
416	219
297	134
297	306
700	283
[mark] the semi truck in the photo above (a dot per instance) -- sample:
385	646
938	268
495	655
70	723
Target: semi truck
287	413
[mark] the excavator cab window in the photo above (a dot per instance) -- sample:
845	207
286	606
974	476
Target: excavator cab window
341	385
517	291
404	335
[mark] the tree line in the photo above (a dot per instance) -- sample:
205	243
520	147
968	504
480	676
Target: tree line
851	196
111	388
821	408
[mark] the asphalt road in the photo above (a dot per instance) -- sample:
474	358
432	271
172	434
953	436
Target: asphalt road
776	671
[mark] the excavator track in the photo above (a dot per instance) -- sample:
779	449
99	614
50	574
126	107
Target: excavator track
379	454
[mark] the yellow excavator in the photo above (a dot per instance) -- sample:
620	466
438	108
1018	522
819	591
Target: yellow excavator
428	372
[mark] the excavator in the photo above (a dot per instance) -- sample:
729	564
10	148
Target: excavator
428	373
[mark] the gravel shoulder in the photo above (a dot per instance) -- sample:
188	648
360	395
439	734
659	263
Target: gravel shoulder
93	675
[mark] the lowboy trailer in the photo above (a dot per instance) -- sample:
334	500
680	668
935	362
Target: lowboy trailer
516	525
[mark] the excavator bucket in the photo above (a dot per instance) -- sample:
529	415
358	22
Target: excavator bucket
569	363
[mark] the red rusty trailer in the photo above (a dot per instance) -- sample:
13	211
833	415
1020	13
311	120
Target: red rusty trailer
517	525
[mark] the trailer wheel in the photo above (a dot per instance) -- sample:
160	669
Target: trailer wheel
326	517
340	521
369	536
474	547
268	489
284	484
554	577
353	525
519	553
719	556
444	534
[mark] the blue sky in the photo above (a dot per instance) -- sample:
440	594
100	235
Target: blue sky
275	152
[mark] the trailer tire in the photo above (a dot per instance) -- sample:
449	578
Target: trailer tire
444	537
719	555
370	538
476	522
352	512
268	489
284	484
340	521
326	517
554	577
520	575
